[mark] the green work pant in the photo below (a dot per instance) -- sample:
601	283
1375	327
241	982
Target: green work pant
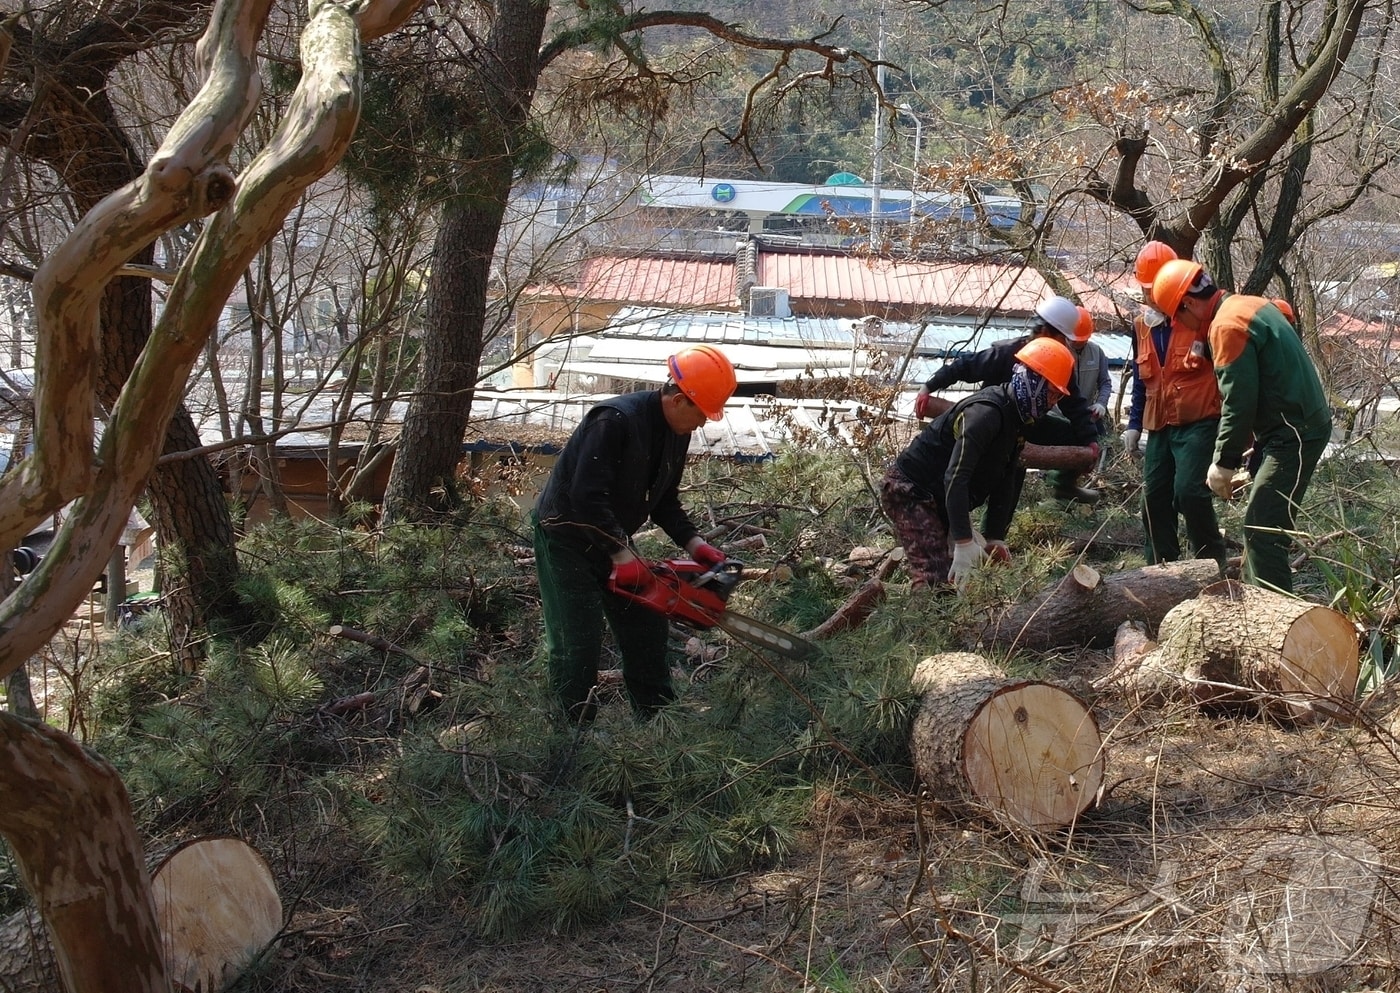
575	601
1272	510
1174	469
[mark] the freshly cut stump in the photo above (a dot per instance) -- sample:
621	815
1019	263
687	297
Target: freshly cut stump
218	908
1023	750
1237	644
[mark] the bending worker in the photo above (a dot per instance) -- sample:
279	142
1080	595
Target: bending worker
1175	397
621	466
1074	424
1268	386
967	456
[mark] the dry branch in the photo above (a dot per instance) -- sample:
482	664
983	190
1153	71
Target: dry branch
860	604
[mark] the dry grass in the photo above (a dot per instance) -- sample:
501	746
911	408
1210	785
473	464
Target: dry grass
1209	833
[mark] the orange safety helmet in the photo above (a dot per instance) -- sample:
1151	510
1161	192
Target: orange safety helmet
1171	284
1085	328
1287	309
704	375
1151	258
1051	358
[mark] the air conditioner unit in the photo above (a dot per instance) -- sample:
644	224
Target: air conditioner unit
769	301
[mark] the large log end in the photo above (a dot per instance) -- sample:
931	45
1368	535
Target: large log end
1027	752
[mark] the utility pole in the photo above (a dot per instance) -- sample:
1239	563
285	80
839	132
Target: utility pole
908	111
878	159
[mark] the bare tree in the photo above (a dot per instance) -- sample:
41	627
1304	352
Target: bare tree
67	818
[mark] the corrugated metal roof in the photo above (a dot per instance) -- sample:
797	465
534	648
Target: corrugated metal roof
770	349
669	281
958	288
950	288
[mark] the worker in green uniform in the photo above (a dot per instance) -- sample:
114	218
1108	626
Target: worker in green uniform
621	467
1176	399
1268	388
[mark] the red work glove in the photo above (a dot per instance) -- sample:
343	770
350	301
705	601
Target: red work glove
634	574
921	404
997	551
1093	446
708	555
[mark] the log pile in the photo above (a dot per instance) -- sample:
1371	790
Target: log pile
1026	751
1236	645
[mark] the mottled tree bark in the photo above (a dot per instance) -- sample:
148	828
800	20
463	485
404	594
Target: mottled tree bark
65	813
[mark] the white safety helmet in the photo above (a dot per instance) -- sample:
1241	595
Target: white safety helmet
1060	314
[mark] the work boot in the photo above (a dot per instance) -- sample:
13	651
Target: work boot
1077	494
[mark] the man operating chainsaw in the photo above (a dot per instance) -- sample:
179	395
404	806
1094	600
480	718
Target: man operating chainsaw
621	467
967	457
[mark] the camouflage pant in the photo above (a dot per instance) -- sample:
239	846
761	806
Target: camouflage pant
919	525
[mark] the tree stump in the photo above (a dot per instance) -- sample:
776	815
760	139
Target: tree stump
218	908
1085	608
1244	645
1024	750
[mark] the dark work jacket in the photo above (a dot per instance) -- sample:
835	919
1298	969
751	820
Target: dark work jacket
967	457
993	365
622	465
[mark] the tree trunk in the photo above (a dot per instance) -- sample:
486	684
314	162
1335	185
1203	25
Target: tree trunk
201	543
1086	608
65	813
1024	750
76	846
422	481
1238	645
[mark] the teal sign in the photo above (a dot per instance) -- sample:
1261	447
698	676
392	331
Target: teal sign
723	193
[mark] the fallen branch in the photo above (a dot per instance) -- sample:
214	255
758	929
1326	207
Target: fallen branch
860	604
372	640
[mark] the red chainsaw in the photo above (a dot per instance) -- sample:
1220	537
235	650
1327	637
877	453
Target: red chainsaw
695	594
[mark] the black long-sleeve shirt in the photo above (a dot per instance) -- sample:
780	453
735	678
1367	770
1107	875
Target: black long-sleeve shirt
967	457
621	466
993	366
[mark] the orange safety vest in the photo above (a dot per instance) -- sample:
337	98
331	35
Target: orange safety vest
1176	393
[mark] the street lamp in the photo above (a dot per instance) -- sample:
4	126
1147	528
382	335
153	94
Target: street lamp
908	111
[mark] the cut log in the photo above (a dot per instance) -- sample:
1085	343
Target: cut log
218	908
1085	608
1245	645
1075	458
1023	750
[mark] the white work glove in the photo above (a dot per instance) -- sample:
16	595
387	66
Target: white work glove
1131	438
1098	411
967	556
1221	481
